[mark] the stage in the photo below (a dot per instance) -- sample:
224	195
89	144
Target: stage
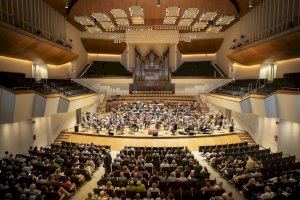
117	142
145	133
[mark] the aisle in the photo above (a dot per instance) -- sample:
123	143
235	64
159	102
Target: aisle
83	191
214	174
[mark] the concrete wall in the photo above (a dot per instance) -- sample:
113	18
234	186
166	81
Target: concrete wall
287	66
195	86
264	130
22	66
18	137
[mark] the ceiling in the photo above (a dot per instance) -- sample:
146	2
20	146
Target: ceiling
153	15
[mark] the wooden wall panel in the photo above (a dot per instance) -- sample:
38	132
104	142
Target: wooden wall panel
205	46
281	47
103	46
20	44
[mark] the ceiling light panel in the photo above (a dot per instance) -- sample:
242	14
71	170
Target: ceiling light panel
122	22
107	25
93	29
171	15
200	25
100	17
185	22
118	13
136	11
225	20
137	14
209	16
190	13
213	29
138	20
172	11
86	21
170	20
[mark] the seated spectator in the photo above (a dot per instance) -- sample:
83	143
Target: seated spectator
268	194
140	187
170	196
173	164
91	197
154	189
33	190
259	165
103	196
250	164
182	177
227	196
41	180
78	178
162	176
218	186
207	188
68	185
172	177
164	164
131	186
109	186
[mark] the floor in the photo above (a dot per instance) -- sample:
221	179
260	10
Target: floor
214	174
88	187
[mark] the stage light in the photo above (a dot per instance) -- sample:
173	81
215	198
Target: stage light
66	4
250	3
158	3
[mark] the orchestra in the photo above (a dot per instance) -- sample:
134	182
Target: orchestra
170	117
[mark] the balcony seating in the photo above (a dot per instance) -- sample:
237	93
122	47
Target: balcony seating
202	68
18	81
105	69
239	88
242	88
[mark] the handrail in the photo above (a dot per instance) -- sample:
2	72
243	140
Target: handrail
249	87
16	88
289	88
217	68
85	70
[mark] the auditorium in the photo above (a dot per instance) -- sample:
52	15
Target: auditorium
150	99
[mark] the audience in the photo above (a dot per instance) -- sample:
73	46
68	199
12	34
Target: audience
256	172
172	171
48	173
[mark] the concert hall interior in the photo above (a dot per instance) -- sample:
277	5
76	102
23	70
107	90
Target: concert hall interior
149	99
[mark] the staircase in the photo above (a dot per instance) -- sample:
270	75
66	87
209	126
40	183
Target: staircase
62	137
245	137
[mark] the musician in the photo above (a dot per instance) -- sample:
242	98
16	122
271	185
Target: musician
174	128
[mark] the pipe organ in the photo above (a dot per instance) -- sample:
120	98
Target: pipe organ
152	67
152	73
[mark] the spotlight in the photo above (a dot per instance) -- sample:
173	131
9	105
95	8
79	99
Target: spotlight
158	3
66	4
250	2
